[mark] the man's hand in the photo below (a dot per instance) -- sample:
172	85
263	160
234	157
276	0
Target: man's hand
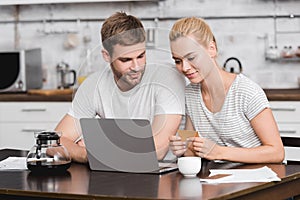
177	146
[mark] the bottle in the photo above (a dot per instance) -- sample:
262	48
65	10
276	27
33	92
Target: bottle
287	52
284	52
86	66
276	52
269	53
297	52
290	52
272	53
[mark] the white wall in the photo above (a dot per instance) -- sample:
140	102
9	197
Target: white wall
240	26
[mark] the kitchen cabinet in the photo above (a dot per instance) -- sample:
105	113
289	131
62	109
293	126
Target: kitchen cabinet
287	116
19	121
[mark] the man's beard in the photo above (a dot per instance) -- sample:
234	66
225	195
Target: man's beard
128	80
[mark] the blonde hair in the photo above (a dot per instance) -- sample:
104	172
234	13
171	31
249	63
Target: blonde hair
193	26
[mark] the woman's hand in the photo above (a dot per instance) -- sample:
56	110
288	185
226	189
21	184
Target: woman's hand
177	146
205	148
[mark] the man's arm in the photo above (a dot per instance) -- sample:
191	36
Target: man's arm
70	129
163	127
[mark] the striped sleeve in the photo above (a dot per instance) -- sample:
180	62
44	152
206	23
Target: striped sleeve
257	102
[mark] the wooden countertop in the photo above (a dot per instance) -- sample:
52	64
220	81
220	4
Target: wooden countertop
272	94
35	97
283	94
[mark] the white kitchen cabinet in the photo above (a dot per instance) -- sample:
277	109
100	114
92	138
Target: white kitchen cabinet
287	116
19	121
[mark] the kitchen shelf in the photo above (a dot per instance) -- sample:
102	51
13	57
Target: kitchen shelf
29	2
293	59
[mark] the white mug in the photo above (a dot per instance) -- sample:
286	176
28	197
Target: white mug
189	166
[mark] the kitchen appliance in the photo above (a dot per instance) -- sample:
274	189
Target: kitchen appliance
65	76
48	154
20	70
232	68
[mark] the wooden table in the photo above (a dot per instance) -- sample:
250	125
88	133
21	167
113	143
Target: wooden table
81	183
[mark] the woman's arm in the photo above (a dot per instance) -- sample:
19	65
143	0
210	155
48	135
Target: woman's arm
271	150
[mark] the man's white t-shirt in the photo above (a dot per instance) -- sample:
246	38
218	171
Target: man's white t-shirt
161	91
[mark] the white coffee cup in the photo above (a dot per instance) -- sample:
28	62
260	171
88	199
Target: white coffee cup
189	166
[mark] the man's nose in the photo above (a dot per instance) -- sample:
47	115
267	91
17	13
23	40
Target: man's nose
135	65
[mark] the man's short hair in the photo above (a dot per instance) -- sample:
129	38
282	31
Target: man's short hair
122	29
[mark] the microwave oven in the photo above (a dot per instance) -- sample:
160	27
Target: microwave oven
20	70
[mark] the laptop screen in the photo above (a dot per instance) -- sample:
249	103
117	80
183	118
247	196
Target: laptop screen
124	145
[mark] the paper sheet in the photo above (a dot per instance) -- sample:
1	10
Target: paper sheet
263	174
13	163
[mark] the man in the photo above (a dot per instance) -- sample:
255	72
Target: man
128	89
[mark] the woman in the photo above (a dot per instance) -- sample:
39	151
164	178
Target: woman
230	112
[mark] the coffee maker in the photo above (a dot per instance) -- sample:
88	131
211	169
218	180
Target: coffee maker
48	155
65	76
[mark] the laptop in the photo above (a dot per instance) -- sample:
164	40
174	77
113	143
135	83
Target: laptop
122	145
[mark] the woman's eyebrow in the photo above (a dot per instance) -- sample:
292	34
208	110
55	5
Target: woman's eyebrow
187	55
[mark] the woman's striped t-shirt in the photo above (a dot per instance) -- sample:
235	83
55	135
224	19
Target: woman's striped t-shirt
231	126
